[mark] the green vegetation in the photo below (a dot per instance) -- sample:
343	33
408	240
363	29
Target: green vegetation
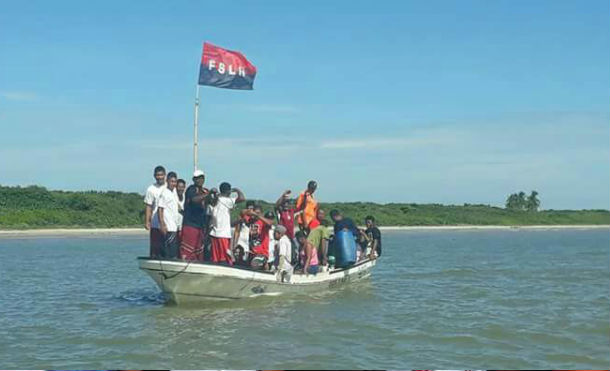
518	202
37	207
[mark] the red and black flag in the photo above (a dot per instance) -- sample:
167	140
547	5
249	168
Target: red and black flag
225	69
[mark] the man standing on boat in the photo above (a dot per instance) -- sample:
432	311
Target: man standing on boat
151	199
307	204
286	213
168	218
373	236
191	246
180	188
283	247
342	222
219	211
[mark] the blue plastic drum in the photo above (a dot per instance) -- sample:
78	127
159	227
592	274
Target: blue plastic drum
345	248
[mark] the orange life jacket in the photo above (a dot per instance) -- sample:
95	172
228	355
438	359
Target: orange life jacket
310	211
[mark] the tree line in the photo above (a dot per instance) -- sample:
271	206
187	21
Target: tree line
38	207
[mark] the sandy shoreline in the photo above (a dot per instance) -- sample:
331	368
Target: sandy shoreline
65	232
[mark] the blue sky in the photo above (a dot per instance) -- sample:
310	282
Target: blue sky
429	101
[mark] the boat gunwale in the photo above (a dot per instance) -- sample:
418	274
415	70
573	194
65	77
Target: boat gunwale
209	264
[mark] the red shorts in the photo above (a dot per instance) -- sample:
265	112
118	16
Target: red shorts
220	246
191	245
156	242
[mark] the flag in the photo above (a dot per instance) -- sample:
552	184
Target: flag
225	69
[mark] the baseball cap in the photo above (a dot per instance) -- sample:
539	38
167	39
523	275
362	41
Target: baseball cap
198	173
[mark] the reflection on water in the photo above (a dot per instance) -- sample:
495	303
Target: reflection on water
142	297
471	299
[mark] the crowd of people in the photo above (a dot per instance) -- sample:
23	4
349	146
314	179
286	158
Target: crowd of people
194	224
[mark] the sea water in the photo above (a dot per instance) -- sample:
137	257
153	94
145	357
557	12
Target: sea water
507	299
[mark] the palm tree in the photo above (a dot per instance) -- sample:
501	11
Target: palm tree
533	203
521	201
510	202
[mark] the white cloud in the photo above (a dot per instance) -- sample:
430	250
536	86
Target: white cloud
19	96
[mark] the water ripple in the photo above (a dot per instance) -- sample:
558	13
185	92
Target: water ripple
469	299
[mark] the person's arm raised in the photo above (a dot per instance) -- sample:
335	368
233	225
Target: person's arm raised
240	195
212	197
260	217
283	197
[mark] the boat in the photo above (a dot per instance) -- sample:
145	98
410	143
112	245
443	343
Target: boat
188	281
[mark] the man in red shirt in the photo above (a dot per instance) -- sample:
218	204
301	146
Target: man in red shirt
259	239
286	213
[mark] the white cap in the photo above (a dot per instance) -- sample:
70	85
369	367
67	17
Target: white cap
198	173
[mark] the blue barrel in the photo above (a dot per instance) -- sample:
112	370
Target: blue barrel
345	248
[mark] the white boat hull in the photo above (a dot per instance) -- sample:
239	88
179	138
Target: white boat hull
183	281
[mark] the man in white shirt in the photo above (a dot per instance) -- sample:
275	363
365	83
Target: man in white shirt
284	254
180	188
168	216
241	234
219	211
151	218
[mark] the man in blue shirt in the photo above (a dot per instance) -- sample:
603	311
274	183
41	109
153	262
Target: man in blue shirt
343	223
193	221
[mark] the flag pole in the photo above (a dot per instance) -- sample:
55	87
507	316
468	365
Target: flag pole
195	141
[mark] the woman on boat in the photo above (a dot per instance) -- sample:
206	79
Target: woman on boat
310	258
